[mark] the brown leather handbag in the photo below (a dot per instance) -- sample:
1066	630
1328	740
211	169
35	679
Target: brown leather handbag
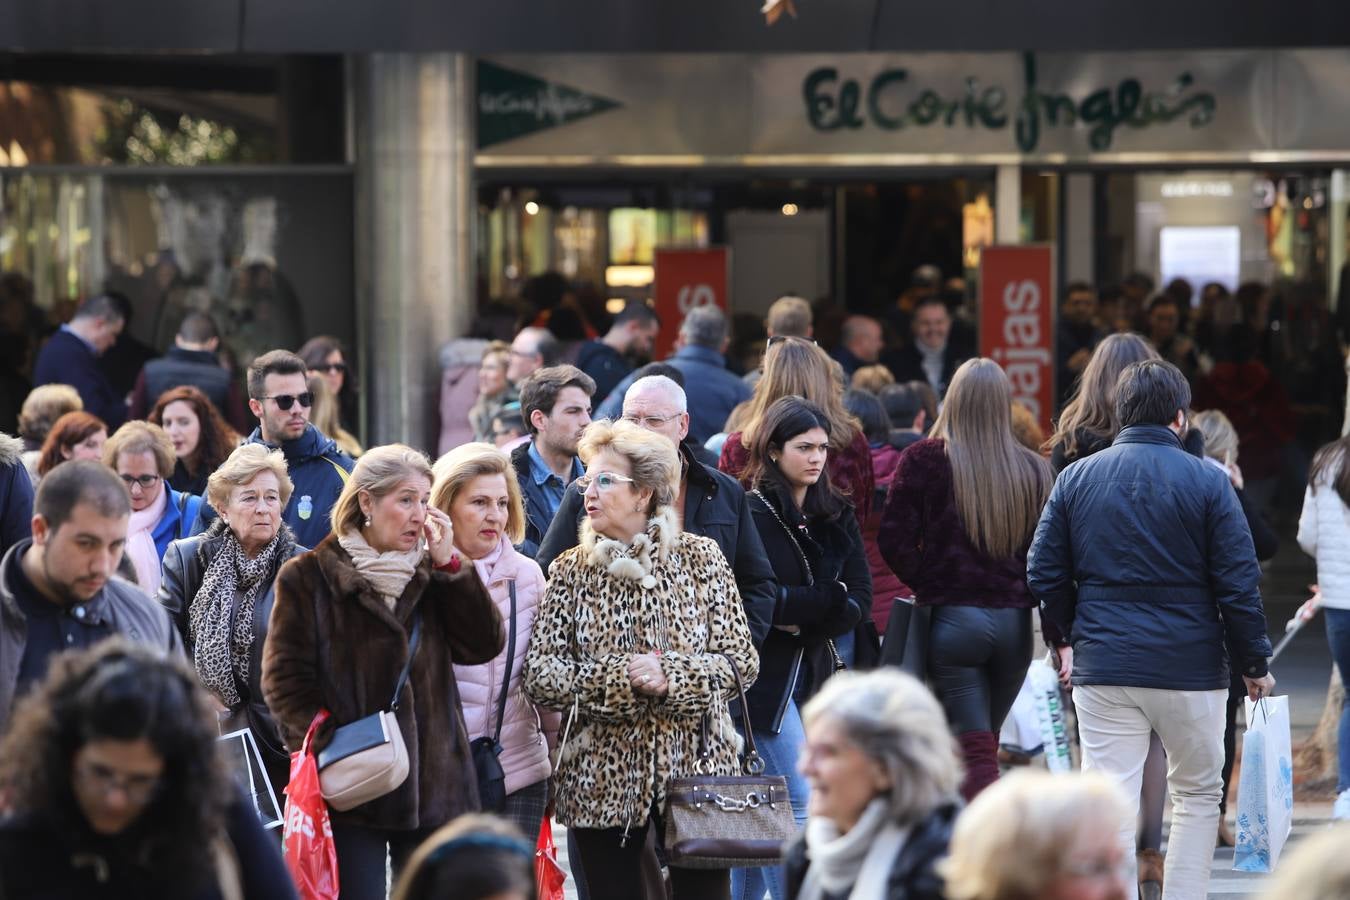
728	821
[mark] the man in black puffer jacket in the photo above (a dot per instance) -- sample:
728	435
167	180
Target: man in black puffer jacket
1144	558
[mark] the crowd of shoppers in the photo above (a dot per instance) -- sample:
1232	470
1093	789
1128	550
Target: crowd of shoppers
574	594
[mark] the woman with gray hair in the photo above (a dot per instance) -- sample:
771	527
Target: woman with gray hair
884	776
218	588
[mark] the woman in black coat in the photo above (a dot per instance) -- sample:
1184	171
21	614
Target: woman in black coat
816	551
218	588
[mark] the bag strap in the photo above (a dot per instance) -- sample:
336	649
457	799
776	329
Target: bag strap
510	661
810	576
753	765
413	640
183	523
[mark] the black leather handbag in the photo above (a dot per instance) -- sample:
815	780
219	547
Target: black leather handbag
486	750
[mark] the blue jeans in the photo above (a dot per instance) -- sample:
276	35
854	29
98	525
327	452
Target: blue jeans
1338	636
780	752
845	646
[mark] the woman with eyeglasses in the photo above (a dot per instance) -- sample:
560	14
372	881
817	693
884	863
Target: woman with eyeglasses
635	641
324	355
201	438
142	456
114	788
815	549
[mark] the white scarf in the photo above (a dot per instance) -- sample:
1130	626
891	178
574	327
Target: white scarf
140	547
389	573
857	864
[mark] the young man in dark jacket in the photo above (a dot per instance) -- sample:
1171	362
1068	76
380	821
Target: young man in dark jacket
609	359
58	588
1143	557
279	396
556	405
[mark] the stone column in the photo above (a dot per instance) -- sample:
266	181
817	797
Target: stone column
412	120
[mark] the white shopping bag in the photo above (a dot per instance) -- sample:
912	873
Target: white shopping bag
245	763
1265	803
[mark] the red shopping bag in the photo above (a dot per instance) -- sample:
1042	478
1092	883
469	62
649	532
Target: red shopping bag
548	875
307	840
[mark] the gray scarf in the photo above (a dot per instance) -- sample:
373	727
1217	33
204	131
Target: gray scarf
221	634
856	865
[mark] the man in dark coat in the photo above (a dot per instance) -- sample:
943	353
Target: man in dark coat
1076	337
58	589
556	404
191	361
1143	557
279	396
609	359
935	350
71	356
16	494
711	503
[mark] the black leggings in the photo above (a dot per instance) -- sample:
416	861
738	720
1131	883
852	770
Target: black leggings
614	872
361	854
977	658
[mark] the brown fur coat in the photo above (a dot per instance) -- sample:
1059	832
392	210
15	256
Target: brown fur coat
333	643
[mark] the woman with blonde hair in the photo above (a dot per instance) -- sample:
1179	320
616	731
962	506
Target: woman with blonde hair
884	778
386	589
1037	836
325	416
476	487
956	526
219	588
494	390
40	410
797	367
1088	421
638	635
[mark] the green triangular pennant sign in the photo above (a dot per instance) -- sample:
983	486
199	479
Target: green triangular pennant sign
514	104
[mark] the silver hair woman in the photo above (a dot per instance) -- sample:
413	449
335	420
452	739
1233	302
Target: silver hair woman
884	775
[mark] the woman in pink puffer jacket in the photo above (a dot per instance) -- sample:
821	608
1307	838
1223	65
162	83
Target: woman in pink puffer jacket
476	486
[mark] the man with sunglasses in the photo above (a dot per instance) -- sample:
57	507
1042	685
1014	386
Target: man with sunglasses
280	398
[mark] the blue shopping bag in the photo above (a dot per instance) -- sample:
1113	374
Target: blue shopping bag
1265	807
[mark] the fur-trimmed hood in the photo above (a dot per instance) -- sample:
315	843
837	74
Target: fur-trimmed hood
11	450
634	561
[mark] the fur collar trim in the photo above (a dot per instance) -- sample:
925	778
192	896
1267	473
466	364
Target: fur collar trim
634	561
11	450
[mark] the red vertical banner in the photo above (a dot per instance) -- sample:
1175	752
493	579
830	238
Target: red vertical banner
1017	322
686	278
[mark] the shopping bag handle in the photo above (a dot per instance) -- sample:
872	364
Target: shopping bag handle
319	718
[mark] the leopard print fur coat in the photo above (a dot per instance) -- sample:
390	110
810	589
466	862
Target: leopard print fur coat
667	591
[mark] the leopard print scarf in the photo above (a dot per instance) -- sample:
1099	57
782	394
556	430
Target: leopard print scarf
221	634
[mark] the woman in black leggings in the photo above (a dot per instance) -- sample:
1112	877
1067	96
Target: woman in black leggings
955	528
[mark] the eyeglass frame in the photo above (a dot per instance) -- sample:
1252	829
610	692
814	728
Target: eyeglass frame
658	420
284	402
140	480
584	482
783	338
139	789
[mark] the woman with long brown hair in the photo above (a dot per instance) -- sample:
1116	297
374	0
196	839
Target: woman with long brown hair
1088	421
201	438
797	367
76	435
956	527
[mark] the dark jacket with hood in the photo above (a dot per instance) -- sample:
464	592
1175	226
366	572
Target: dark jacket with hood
714	507
1144	558
914	875
123	605
823	596
16	494
333	643
185	564
318	469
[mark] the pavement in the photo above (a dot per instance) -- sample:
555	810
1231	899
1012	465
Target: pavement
1302	672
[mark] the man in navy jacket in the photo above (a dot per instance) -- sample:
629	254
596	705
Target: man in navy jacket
1143	557
71	356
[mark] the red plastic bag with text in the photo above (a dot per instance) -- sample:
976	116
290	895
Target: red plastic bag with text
307	838
548	875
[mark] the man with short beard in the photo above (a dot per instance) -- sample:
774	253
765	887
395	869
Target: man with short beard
57	590
555	403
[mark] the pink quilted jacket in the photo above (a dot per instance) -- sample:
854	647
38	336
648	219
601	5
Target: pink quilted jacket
527	732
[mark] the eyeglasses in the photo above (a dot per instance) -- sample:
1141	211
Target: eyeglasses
286	401
602	480
146	482
649	422
330	368
138	789
780	338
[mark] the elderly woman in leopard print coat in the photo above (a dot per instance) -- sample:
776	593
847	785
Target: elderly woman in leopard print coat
636	637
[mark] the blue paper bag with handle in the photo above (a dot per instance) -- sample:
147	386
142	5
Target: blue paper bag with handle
1265	803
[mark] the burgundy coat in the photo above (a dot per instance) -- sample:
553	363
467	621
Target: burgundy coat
885	586
850	470
925	543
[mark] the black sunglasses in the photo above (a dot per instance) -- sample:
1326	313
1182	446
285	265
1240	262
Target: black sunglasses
285	401
330	368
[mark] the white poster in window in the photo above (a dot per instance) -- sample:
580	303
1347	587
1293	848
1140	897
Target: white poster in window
1201	255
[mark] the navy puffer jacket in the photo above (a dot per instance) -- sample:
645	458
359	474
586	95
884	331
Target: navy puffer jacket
1144	558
